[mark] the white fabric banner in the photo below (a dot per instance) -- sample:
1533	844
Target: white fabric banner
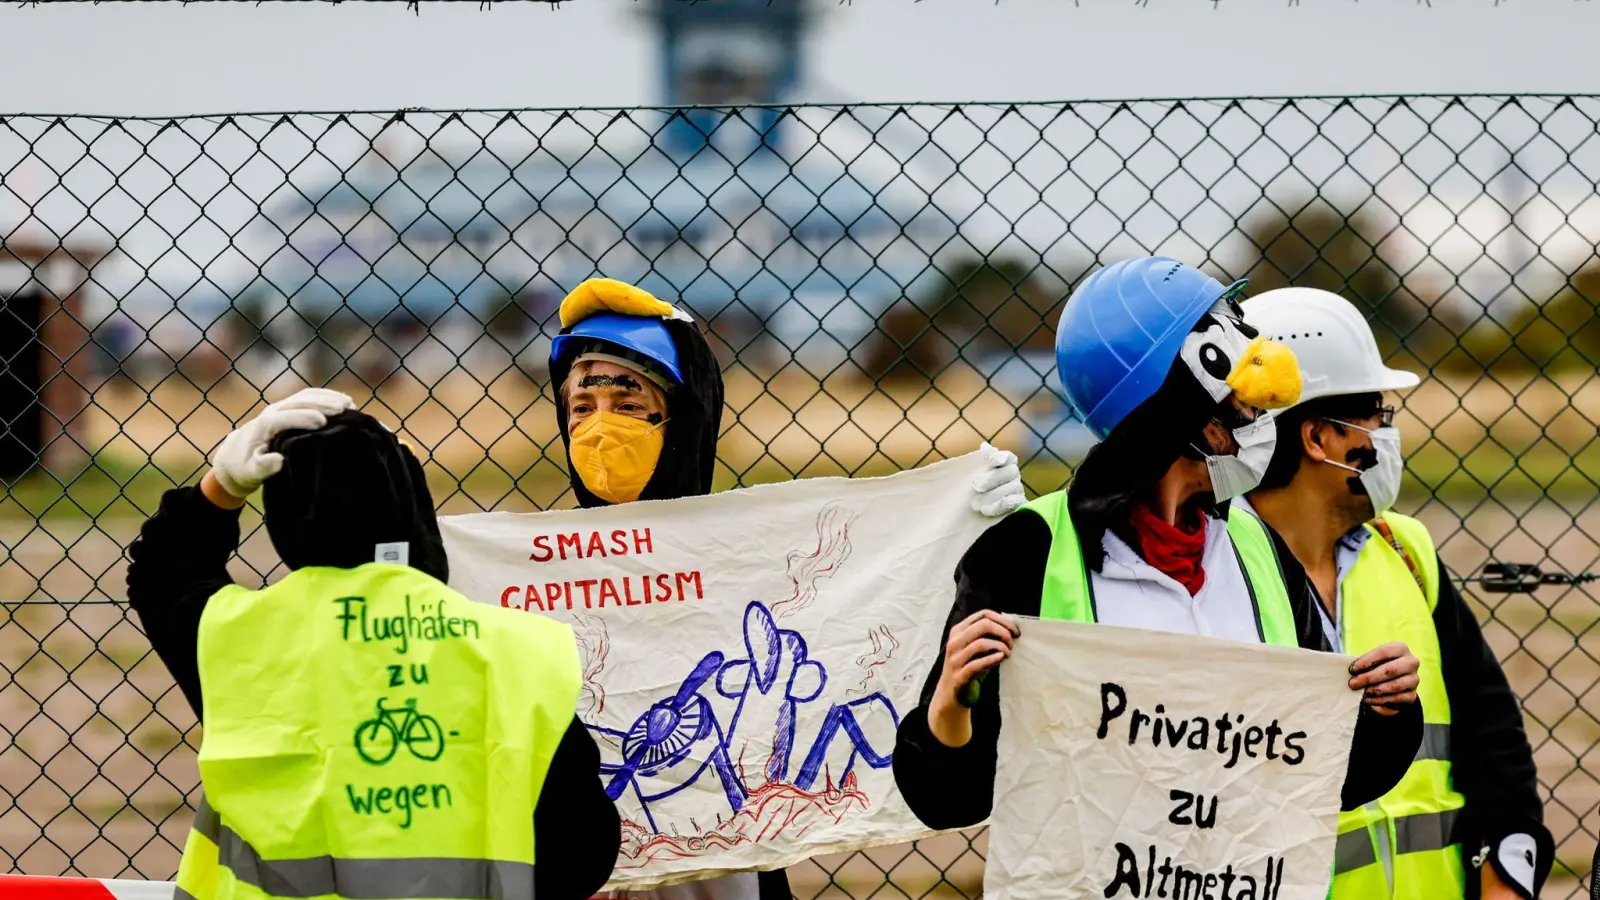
1137	763
747	655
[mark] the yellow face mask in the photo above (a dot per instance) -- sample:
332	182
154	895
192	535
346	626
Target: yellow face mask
616	455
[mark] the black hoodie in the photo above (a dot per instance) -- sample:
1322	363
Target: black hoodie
343	489
689	449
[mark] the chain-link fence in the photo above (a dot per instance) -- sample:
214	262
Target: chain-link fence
880	282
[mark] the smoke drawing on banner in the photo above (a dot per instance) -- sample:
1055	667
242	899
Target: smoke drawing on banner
747	656
743	697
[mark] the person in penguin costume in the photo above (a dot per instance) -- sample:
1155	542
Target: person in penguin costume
1156	358
639	398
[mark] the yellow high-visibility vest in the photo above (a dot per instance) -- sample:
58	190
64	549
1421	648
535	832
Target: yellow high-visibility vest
370	732
1402	845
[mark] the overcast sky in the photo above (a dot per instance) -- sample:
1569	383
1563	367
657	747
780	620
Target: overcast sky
165	58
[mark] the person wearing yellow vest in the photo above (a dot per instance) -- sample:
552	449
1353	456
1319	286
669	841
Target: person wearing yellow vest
639	401
1154	356
367	731
1472	794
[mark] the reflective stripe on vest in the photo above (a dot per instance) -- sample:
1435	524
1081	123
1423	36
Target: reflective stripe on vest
1420	833
358	878
198	869
355	721
1435	742
1068	594
1403	844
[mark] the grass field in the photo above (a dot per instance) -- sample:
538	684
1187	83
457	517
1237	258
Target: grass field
98	774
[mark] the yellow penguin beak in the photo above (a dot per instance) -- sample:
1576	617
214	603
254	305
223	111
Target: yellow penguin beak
599	295
1268	377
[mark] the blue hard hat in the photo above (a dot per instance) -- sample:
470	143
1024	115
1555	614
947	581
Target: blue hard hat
644	336
1121	330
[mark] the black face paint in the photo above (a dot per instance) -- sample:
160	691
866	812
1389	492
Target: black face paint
619	381
654	419
1362	458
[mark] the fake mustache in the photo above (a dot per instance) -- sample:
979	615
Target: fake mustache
1362	458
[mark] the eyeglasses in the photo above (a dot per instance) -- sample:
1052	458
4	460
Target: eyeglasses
1384	415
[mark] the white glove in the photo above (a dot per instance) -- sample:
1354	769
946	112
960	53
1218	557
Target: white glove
999	490
241	462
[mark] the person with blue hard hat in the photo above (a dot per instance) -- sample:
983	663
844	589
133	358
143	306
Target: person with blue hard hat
639	399
1156	358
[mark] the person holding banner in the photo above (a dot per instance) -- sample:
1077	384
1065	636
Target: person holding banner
639	405
368	731
1156	357
1329	490
639	401
1594	874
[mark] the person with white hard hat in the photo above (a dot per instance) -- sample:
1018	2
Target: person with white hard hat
1472	794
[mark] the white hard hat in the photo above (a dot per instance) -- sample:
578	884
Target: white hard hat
1330	339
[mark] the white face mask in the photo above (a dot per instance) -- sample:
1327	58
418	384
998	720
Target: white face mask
1382	481
1237	475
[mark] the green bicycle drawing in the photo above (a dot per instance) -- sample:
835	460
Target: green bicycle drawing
378	738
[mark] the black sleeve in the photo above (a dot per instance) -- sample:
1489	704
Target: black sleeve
773	885
1491	761
576	827
1380	754
1384	746
953	787
180	559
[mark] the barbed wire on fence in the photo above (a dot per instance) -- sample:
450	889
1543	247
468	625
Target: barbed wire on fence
415	6
880	283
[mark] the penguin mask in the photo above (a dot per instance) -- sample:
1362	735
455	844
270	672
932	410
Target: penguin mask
1222	365
1227	356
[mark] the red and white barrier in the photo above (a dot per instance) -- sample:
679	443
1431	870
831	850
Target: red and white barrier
35	887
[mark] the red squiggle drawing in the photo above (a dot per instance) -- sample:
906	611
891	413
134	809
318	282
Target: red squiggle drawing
773	810
807	568
884	644
595	644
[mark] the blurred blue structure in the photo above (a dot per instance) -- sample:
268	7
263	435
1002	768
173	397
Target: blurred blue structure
799	238
727	53
706	231
715	209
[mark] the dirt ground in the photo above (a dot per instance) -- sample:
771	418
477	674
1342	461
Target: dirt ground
98	772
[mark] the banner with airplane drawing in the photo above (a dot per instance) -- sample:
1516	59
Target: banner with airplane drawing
747	655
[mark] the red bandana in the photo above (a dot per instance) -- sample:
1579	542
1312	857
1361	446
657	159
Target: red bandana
1170	549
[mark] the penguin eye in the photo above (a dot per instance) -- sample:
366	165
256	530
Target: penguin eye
1215	362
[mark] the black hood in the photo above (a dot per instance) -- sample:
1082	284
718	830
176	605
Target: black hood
1126	465
694	421
344	489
